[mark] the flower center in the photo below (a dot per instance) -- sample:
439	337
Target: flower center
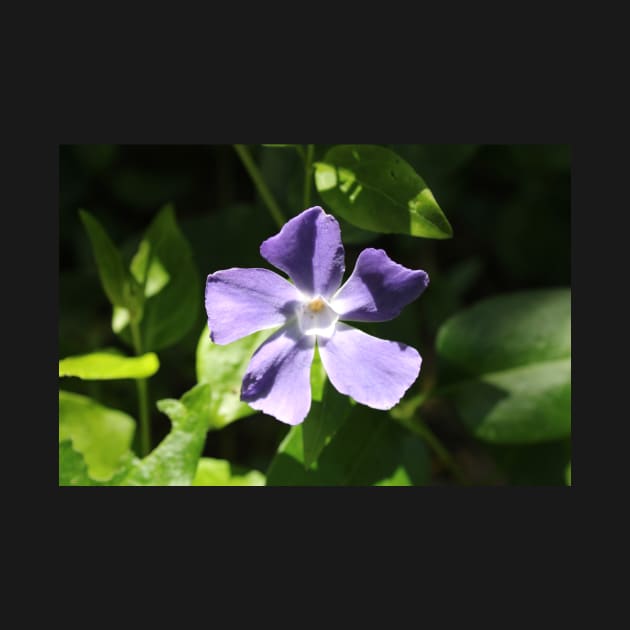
316	305
316	317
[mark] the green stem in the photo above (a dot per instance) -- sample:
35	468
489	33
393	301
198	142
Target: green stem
300	152
143	397
418	427
259	182
308	175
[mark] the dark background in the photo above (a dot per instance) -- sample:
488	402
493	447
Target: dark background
509	206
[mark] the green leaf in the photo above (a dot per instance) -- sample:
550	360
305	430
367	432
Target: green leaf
370	449
567	474
117	282
101	435
323	422
281	146
219	472
73	470
163	266
318	377
375	189
107	365
223	368
506	364
174	461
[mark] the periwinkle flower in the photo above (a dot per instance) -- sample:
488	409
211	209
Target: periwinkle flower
308	248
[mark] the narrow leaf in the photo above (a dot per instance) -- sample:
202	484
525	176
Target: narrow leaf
107	365
506	365
323	422
114	277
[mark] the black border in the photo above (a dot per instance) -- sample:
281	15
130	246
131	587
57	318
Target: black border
283	518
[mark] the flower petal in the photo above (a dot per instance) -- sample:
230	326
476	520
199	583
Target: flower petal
240	302
378	288
278	377
308	248
373	371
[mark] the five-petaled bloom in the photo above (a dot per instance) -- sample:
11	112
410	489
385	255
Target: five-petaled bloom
308	248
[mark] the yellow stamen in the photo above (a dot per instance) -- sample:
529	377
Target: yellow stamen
316	305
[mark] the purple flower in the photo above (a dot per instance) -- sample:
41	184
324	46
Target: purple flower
308	248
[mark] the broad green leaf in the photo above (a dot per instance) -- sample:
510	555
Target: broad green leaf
73	470
219	472
375	189
101	435
116	280
323	421
370	449
223	368
281	146
567	474
163	266
107	365
174	461
506	365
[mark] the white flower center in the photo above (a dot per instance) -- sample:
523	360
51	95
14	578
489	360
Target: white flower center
316	317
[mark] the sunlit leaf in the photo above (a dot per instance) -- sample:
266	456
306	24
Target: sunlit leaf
318	377
219	472
506	365
101	435
174	461
223	368
375	189
164	268
73	470
107	365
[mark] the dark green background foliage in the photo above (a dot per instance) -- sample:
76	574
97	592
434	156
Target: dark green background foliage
489	223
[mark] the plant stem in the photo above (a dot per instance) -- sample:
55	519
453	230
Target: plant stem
308	167
418	427
259	182
143	397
